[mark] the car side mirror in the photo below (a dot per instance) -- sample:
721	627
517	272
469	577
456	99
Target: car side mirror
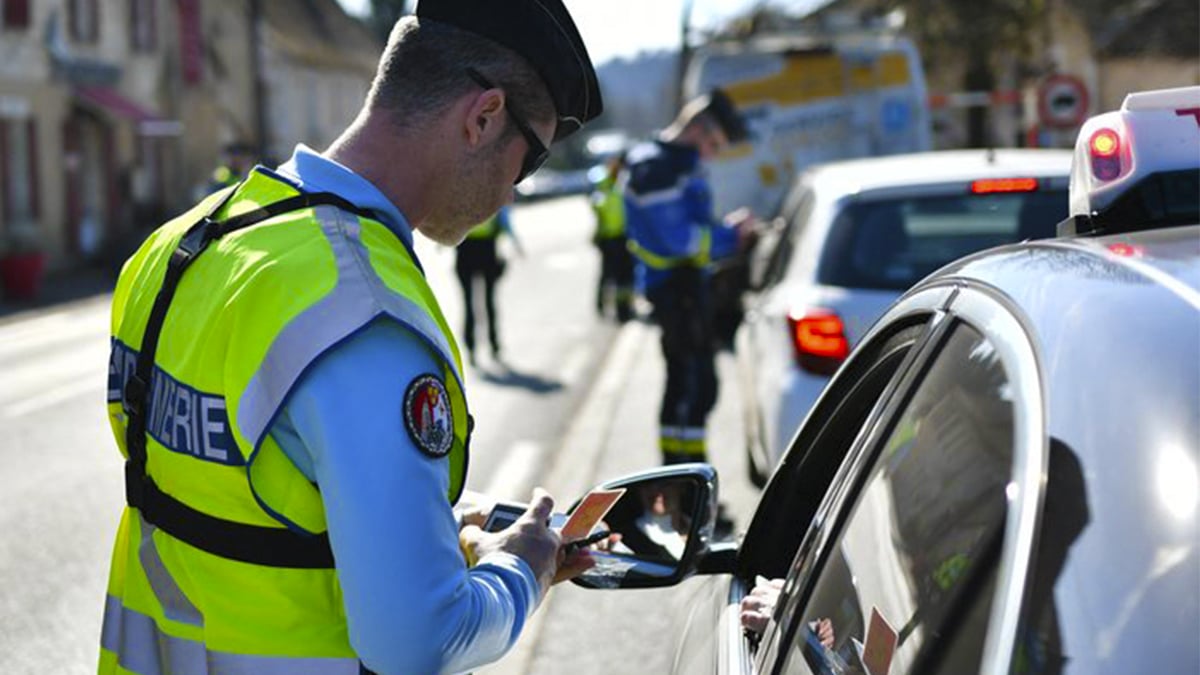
664	522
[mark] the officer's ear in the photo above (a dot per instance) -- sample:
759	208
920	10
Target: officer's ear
485	117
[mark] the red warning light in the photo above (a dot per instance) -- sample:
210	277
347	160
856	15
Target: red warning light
1105	143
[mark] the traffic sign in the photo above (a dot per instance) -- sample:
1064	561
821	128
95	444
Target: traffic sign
1062	101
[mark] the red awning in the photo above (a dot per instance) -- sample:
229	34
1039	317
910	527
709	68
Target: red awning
111	101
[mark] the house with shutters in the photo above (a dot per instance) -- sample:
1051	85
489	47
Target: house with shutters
114	113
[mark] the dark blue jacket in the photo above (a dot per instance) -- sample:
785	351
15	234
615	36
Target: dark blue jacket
668	211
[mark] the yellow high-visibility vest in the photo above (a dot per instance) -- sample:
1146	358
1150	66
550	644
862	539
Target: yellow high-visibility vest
609	206
248	317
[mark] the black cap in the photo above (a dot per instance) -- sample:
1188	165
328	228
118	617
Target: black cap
543	33
721	107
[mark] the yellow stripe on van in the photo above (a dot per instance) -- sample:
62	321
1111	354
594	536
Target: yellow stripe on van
893	70
889	70
803	78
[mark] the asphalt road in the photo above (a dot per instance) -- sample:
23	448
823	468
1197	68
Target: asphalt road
573	403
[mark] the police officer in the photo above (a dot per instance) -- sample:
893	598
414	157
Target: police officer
674	237
238	160
616	264
477	258
290	399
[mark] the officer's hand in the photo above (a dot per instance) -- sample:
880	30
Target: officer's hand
529	538
474	508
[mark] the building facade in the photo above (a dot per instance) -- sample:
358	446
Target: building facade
114	113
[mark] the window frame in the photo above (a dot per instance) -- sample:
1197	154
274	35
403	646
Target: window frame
770	263
25	14
988	312
29	127
776	510
143	26
80	32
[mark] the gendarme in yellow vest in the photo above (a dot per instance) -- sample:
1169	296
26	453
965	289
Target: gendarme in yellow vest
250	314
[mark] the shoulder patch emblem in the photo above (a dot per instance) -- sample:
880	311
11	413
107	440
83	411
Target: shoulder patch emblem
428	417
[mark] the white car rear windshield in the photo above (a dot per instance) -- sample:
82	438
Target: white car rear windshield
894	243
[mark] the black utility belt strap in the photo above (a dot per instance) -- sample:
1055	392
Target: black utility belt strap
271	546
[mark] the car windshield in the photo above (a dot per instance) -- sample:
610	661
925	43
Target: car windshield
891	244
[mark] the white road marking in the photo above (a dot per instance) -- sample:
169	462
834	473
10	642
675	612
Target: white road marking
514	478
575	364
576	463
60	336
54	397
87	362
563	261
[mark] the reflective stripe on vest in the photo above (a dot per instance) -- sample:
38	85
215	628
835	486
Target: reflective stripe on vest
355	301
139	646
659	262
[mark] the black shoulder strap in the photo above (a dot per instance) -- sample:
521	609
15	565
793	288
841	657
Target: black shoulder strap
272	546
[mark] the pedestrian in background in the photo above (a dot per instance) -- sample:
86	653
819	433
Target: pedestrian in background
477	259
674	237
290	399
615	286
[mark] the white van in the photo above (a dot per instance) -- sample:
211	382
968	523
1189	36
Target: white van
807	101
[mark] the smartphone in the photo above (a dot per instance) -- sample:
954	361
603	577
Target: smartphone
506	513
503	515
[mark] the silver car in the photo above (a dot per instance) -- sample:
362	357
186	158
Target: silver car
1004	475
851	238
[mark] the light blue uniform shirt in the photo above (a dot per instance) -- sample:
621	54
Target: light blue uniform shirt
412	604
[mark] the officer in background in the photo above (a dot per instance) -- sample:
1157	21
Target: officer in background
237	160
290	400
616	264
674	237
478	258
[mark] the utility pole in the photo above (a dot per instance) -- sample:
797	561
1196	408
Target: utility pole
685	50
254	21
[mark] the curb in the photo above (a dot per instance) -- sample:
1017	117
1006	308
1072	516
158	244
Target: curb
576	462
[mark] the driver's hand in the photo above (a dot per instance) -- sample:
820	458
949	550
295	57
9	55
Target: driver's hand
757	607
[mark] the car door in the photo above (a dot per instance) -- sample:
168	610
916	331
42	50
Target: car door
762	345
916	559
712	640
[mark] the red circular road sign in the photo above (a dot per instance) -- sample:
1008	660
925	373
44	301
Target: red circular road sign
1062	101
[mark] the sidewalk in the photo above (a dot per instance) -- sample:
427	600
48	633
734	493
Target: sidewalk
59	288
616	433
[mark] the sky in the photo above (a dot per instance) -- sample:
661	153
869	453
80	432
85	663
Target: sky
612	28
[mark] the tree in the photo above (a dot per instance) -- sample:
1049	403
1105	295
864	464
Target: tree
384	14
976	34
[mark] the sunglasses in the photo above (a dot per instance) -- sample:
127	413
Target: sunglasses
537	152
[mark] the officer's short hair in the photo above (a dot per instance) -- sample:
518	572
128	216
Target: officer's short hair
424	70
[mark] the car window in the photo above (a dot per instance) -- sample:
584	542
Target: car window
904	582
893	243
808	467
777	254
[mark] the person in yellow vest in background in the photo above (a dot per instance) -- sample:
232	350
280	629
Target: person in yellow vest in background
238	159
478	257
616	262
289	398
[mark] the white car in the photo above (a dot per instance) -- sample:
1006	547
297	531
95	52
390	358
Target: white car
851	238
